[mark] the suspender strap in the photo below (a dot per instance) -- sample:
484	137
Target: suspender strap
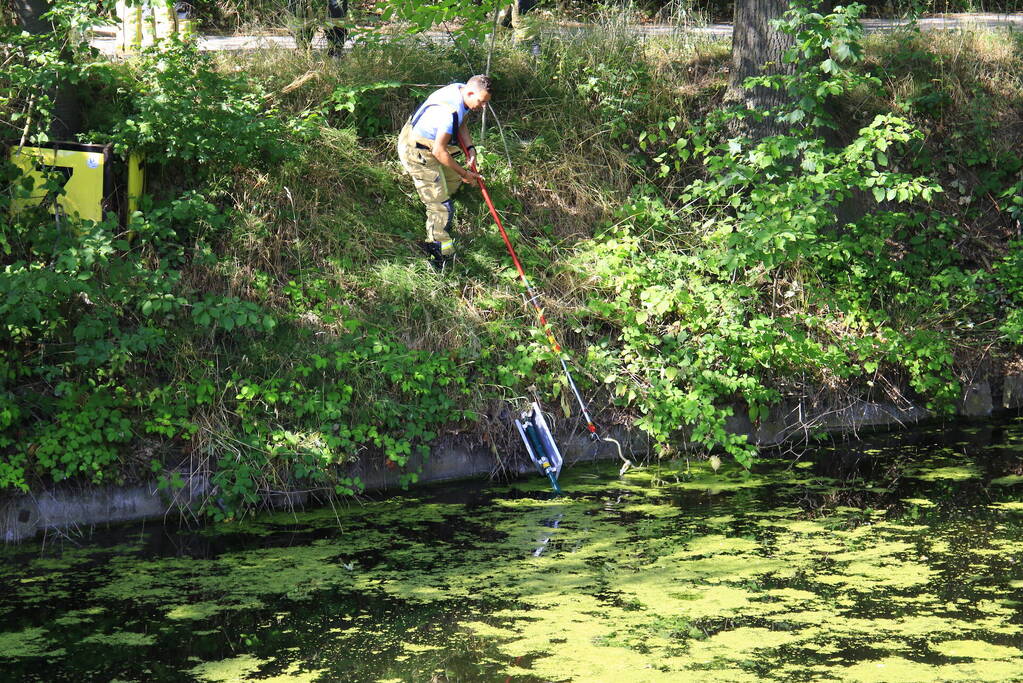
419	112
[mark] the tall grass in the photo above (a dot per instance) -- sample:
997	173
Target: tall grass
345	215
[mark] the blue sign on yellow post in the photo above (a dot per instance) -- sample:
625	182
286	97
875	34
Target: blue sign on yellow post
84	170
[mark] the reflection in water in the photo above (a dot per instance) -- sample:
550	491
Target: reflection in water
895	558
544	540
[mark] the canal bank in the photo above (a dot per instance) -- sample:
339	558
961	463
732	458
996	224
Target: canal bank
70	509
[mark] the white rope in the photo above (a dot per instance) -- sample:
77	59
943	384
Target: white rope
626	463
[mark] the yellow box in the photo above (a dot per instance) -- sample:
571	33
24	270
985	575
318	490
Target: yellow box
86	169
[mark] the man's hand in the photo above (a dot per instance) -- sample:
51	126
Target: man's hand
472	178
470	161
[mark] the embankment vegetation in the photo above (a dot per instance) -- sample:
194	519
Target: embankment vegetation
264	317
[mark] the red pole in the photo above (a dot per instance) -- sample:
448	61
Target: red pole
533	294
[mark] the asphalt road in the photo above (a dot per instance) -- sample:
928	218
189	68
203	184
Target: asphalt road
105	42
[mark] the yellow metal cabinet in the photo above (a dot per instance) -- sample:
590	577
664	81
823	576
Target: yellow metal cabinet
84	170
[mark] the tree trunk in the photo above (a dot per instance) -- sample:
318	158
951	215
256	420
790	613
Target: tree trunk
29	13
67	114
757	49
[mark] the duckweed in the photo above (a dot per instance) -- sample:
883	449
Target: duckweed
32	642
671	573
233	669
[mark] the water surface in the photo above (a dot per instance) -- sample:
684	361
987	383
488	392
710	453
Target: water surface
899	558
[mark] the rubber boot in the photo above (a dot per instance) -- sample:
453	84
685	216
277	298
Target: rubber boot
437	259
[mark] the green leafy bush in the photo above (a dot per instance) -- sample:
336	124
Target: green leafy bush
178	108
749	275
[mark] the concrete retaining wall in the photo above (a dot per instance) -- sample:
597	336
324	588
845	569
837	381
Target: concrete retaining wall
24	516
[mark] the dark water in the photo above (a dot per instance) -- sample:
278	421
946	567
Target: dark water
897	558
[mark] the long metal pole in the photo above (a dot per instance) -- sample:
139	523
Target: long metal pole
533	296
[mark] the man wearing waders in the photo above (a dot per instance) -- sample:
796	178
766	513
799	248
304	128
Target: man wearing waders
425	146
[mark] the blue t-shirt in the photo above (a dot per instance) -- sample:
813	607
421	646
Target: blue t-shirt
434	117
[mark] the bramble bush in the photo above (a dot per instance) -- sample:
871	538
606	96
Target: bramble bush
721	292
94	330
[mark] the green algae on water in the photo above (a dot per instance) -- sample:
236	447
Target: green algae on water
975	649
32	642
667	574
238	668
949	473
121	639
